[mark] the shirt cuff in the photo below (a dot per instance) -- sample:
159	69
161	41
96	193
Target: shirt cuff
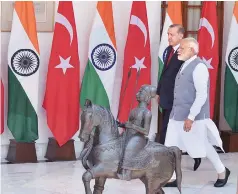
191	117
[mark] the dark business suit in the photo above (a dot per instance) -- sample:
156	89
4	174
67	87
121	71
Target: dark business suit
165	88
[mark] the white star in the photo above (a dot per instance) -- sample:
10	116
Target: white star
139	64
64	64
208	63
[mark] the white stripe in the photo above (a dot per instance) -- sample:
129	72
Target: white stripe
164	38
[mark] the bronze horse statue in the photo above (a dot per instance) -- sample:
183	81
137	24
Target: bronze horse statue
153	165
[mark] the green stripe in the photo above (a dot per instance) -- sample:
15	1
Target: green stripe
92	88
161	66
231	100
22	119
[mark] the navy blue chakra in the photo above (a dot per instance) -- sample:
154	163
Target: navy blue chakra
25	62
233	59
103	57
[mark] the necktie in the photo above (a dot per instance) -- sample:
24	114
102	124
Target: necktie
170	55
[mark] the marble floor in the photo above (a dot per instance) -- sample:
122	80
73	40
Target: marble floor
65	178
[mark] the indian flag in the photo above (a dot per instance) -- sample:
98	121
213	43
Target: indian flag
23	74
99	75
173	16
231	74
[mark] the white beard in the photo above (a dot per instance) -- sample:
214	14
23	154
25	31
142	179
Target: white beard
183	58
180	58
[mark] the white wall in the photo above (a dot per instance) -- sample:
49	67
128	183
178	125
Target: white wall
84	13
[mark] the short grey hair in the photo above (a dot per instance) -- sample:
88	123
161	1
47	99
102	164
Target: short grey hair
180	28
193	43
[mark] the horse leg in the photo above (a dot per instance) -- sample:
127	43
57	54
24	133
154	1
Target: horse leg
149	185
87	177
153	186
99	185
160	191
98	172
160	185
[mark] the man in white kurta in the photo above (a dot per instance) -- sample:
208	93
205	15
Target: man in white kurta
190	127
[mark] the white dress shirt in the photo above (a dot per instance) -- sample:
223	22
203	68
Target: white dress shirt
200	79
176	47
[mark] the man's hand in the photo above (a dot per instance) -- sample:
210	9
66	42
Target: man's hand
157	98
187	125
119	124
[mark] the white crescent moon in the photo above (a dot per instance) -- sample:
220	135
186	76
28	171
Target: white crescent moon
65	22
137	22
205	23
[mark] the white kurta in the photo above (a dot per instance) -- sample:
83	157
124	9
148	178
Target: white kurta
194	141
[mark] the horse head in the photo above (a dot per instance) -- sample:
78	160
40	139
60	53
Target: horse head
98	118
88	121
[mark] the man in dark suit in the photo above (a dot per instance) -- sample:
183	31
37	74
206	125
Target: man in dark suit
165	89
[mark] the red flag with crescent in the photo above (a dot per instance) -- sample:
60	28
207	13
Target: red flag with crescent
62	86
208	46
137	60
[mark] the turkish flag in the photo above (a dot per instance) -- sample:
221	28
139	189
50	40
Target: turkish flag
2	108
61	100
137	60
208	46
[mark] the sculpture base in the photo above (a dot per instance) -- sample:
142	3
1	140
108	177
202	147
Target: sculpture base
20	152
230	141
56	153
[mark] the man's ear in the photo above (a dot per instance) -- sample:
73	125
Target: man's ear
181	36
192	49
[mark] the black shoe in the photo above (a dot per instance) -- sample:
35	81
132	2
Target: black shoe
171	184
222	182
197	162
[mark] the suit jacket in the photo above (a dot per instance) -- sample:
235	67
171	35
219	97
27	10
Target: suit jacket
165	87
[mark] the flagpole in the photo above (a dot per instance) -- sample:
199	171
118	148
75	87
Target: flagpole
137	78
124	92
123	144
